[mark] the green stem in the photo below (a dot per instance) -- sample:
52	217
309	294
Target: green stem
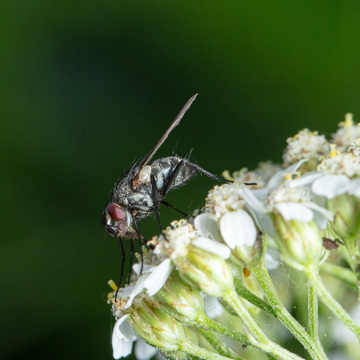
258	339
201	352
206	323
331	303
341	273
313	313
314	348
218	345
252	298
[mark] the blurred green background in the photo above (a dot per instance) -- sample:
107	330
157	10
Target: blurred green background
87	87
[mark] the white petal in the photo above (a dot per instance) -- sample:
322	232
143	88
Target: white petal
122	338
207	227
138	288
144	351
319	209
213	308
280	175
146	268
212	246
158	277
238	229
354	188
252	201
306	179
331	186
294	211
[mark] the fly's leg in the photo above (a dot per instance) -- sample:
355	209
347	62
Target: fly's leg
174	207
172	178
122	266
203	171
131	259
154	195
140	237
209	174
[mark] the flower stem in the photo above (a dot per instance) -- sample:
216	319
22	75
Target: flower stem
201	352
218	345
313	313
205	322
341	273
313	347
258	338
331	303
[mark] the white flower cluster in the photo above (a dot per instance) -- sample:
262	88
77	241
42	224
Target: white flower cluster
290	205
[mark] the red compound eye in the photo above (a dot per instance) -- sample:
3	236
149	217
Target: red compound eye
115	212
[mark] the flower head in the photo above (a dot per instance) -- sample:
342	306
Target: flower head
306	144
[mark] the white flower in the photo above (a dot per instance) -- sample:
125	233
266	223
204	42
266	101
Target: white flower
238	229
122	338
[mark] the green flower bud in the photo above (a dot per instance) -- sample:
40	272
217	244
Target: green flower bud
156	327
205	271
298	241
179	299
346	209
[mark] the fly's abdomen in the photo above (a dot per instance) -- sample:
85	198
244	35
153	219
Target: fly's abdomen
171	172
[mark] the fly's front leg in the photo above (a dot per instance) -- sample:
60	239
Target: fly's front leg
122	266
140	237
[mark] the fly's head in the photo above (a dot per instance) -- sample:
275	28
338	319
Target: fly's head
117	221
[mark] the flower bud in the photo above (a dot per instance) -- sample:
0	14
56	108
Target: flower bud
179	299
156	327
297	240
346	209
205	271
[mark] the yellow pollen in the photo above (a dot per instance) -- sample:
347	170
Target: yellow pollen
112	285
288	176
332	150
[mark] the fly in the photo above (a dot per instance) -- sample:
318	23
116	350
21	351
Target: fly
140	193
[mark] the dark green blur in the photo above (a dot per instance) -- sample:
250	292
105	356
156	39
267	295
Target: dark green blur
87	87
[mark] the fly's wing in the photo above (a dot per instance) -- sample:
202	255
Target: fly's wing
176	122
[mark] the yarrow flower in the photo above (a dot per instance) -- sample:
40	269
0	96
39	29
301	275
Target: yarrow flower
308	145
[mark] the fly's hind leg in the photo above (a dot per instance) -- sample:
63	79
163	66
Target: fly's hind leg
209	174
205	172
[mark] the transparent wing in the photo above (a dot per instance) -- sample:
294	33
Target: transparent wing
176	122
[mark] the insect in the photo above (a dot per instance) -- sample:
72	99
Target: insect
140	192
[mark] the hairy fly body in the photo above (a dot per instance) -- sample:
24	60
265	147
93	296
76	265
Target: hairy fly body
140	193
